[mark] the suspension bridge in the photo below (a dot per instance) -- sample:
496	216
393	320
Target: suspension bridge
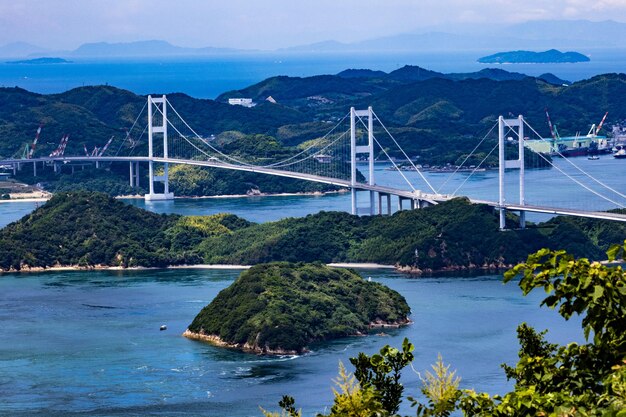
360	137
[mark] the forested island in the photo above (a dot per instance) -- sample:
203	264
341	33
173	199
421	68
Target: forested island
40	61
94	230
551	56
280	308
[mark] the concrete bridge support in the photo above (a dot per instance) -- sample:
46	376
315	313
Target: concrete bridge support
387	196
134	173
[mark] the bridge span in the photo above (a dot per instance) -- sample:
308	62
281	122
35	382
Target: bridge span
414	199
165	151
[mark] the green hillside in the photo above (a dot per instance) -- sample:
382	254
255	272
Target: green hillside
90	229
439	119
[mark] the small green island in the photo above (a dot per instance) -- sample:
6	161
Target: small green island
40	61
281	308
551	56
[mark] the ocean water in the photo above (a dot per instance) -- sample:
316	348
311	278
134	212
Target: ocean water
209	77
88	344
547	187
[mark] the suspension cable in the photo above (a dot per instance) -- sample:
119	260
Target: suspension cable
580	183
199	137
312	145
394	164
404	153
131	128
475	169
466	158
576	166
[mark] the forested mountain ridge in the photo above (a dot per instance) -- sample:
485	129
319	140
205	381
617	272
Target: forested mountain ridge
433	111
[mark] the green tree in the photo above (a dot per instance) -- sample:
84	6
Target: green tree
587	380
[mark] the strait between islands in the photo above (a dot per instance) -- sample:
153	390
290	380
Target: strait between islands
280	308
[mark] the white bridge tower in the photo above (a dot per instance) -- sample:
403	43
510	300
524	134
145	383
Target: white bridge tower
504	164
365	149
157	112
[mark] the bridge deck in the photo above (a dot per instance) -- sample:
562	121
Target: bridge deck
408	194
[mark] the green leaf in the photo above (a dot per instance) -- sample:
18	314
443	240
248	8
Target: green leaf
598	291
613	251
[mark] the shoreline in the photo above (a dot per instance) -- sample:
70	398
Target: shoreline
217	341
407	270
257	350
57	268
220	196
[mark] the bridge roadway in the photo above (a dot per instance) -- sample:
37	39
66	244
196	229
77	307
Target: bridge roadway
405	194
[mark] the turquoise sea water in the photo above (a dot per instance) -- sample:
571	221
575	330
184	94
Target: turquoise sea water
88	343
209	77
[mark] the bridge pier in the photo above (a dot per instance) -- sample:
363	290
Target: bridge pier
380	203
134	173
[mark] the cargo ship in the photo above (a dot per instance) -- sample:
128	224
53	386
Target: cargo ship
578	145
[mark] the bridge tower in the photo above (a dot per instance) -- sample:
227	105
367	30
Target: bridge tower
157	125
504	164
364	149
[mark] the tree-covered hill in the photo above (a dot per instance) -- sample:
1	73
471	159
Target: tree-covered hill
282	308
89	229
433	116
91	115
439	119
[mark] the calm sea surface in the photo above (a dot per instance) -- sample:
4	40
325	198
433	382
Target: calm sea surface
88	343
209	77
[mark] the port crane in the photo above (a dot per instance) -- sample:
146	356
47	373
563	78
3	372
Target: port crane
593	132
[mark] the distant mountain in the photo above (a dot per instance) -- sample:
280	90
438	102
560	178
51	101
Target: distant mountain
361	73
530	57
539	34
143	49
604	34
410	73
20	50
553	79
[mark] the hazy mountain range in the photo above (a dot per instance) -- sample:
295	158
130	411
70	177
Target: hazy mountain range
537	35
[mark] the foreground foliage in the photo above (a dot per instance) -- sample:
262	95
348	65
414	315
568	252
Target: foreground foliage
550	380
284	307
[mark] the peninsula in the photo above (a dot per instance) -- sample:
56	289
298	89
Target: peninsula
280	308
528	57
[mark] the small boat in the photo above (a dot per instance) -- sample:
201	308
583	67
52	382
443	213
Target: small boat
593	157
620	154
163	327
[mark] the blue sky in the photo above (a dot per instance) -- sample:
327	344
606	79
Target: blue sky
269	24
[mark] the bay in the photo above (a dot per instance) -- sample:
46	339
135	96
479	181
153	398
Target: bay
88	343
208	77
